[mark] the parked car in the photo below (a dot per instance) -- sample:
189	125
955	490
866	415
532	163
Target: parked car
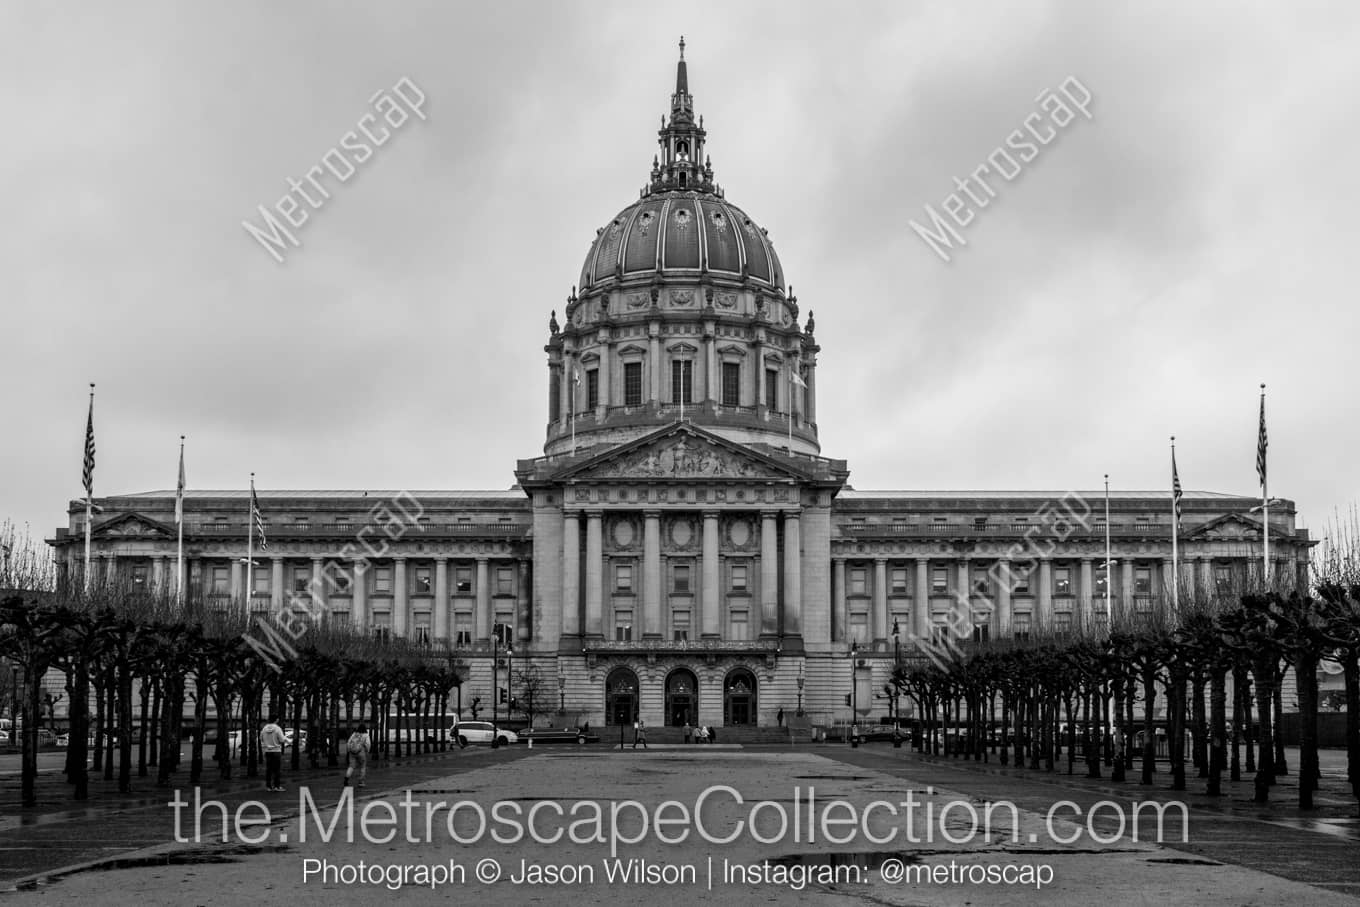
470	732
46	737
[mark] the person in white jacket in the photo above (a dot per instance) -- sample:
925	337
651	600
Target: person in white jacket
272	742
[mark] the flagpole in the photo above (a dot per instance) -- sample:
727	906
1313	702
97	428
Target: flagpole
1109	568
249	583
1265	499
179	507
89	491
1175	531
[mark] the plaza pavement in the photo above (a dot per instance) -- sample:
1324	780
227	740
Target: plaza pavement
1322	849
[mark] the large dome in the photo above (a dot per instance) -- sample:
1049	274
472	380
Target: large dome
682	234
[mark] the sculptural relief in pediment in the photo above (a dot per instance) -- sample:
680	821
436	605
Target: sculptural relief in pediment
683	458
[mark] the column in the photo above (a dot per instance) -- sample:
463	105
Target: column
963	595
1085	592
921	600
1003	598
1167	581
482	617
760	377
158	574
359	583
441	599
710	364
793	576
839	617
769	573
605	398
318	586
1126	585
571	574
1044	619
712	605
811	393
236	593
881	599
276	584
1203	575
654	361
651	574
523	616
399	596
594	573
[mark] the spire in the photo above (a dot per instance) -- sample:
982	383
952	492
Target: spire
682	164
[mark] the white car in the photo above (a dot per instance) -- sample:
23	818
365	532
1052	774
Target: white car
469	732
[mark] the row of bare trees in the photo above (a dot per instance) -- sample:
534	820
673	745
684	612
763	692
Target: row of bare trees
1030	699
143	673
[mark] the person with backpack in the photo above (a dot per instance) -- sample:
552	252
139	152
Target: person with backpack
357	755
272	742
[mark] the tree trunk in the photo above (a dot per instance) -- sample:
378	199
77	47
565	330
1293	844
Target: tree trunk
1351	665
1175	726
200	725
1305	675
1120	732
1218	728
1265	695
144	703
32	709
1239	716
1149	731
1281	765
1200	724
124	724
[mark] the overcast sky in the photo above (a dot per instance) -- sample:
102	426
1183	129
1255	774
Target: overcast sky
1139	278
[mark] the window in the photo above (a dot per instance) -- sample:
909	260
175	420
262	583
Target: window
980	632
421	631
1062	622
1062	581
421	583
592	388
462	580
898	580
1102	579
505	580
555	397
341	576
302	578
682	381
1223	578
680	578
623	626
901	623
632	384
737	626
939	579
462	628
623	577
382	625
382	580
680	626
980	581
341	521
739	577
139	576
260	581
772	390
1020	626
301	522
858	628
859	583
731	384
1020	579
1142	581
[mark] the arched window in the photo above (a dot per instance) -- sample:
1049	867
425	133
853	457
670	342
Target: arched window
621	697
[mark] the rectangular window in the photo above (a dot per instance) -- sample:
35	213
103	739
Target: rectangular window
382	580
939	579
1062	622
301	522
302	578
898	580
340	575
1142	581
623	626
505	580
421	631
772	390
421	583
1223	578
592	388
382	625
680	578
680	626
260	585
859	581
632	384
980	581
731	384
682	381
737	626
858	626
1101	580
341	522
1020	579
739	577
139	576
1020	626
462	580
555	397
462	628
980	632
1062	581
623	577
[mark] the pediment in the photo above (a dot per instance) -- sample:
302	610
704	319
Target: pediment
131	525
1231	526
682	452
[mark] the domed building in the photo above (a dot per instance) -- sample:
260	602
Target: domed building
682	552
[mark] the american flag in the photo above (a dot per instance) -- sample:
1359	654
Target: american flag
1261	443
88	473
179	491
1176	492
257	517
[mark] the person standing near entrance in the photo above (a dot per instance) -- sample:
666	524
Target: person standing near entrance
272	742
688	733
779	716
640	734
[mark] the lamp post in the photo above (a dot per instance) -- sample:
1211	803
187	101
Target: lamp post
854	697
561	692
495	683
897	665
800	691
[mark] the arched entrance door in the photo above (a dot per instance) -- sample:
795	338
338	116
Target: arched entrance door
739	697
682	698
621	697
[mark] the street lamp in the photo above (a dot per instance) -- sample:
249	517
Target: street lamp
854	697
897	665
800	691
561	692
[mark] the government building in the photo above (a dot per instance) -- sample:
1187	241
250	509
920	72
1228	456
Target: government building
683	551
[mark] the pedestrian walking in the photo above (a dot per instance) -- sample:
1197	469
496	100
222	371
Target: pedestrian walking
640	734
688	733
357	755
779	716
272	742
712	734
701	734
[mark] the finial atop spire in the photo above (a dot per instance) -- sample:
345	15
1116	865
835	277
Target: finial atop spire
682	47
